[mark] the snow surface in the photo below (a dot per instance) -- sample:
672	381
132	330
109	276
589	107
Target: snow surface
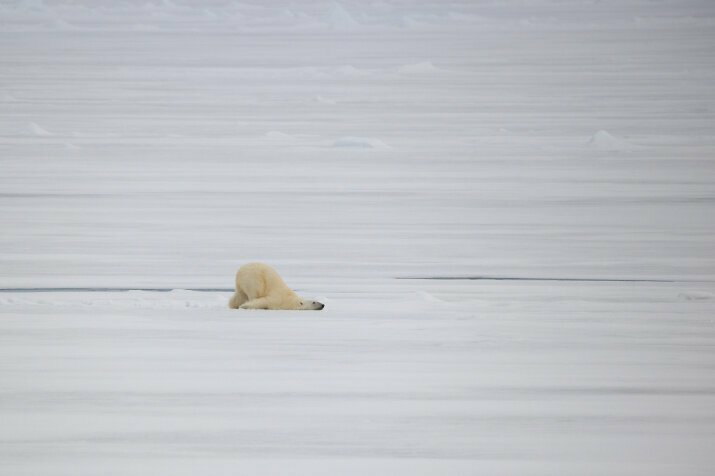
157	145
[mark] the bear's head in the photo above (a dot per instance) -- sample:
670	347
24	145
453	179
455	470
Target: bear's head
307	305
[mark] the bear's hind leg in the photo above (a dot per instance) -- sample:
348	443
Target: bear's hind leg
238	298
258	303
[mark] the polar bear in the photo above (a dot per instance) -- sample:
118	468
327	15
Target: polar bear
258	286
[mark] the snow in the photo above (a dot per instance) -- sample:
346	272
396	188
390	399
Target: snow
556	157
428	378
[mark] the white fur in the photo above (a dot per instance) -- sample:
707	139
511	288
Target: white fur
258	286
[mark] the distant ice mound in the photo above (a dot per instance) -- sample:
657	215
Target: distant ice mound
277	136
425	67
603	140
349	70
359	143
36	130
340	19
281	139
695	296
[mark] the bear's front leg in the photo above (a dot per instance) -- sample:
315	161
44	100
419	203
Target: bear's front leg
238	298
258	303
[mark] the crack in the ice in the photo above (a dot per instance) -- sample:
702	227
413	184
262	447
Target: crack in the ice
518	278
109	290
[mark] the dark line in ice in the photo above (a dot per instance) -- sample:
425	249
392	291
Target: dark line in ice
511	278
109	290
434	278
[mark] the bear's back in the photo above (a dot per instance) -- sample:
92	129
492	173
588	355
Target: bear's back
259	280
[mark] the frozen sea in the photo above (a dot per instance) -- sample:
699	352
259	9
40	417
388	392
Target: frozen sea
507	206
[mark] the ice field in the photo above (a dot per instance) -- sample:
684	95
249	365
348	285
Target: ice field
508	208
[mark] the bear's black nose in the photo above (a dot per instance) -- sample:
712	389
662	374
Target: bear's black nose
321	306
